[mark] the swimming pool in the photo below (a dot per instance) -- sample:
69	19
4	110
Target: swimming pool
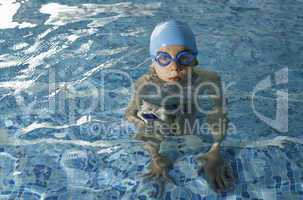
65	74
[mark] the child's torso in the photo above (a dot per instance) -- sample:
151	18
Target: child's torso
172	103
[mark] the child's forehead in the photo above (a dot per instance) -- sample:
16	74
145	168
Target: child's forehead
173	49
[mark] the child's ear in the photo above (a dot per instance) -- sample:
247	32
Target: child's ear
152	65
195	63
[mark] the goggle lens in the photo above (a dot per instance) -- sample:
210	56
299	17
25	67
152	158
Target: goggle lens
183	58
163	59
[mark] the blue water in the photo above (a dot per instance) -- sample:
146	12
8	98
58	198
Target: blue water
62	133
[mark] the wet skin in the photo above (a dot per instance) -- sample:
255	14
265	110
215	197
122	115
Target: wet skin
213	166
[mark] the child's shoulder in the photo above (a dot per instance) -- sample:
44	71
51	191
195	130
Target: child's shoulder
207	75
143	79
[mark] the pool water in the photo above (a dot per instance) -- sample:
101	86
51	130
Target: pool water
66	69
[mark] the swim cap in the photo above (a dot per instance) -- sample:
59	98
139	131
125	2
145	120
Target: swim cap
172	33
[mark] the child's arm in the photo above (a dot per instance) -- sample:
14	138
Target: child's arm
217	120
133	110
160	164
134	106
216	169
216	117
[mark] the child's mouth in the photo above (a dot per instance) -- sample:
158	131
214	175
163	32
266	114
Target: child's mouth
176	78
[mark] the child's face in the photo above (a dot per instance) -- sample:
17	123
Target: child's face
174	71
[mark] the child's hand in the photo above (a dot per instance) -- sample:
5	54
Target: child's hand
159	164
218	174
159	167
217	171
138	122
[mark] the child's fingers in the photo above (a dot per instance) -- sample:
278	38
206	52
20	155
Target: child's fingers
161	189
219	183
228	173
225	181
167	178
147	175
138	122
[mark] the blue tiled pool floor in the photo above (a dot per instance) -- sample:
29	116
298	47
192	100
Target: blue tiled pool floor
57	170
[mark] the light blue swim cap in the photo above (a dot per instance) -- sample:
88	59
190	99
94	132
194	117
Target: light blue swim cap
172	33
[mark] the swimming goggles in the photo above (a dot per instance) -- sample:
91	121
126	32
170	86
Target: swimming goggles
182	58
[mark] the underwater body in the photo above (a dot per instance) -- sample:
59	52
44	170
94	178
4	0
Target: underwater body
66	69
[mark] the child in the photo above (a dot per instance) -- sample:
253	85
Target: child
165	105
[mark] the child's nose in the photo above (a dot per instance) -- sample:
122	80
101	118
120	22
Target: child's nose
174	66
